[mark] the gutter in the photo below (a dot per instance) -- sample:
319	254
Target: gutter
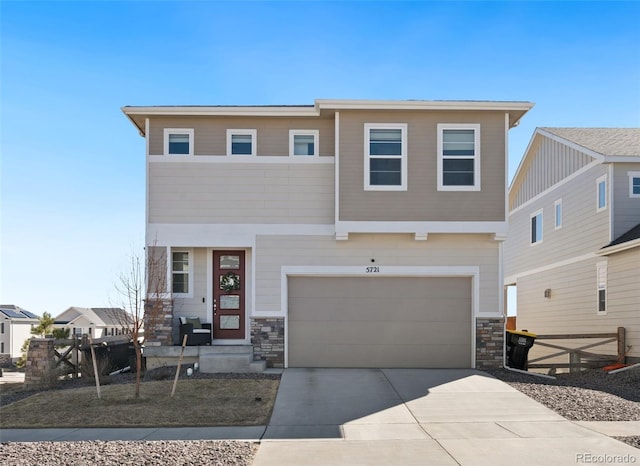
619	247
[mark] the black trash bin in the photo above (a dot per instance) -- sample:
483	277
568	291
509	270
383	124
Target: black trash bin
518	345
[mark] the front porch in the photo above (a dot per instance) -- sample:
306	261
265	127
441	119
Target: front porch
211	359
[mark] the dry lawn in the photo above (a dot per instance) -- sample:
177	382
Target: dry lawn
206	402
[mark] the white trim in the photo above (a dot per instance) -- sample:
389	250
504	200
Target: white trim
599	267
169	131
631	176
619	247
501	288
539	212
476	157
336	183
304	132
610	200
600	180
190	259
146	172
146	137
622	159
506	168
571	144
514	278
242	159
242	132
403	157
499	228
556	217
384	271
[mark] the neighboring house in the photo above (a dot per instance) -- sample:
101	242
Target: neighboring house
15	328
574	241
97	322
342	234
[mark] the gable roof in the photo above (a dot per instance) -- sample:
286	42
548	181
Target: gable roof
12	311
627	240
622	142
98	316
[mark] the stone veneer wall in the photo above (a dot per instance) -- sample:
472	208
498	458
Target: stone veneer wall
40	371
267	338
5	360
489	343
158	323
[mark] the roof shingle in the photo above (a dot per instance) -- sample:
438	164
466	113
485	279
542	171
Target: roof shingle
604	141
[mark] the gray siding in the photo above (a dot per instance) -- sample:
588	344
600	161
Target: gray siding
210	133
422	201
552	162
626	208
187	192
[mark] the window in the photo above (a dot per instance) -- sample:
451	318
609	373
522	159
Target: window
181	272
536	227
241	141
634	184
602	286
2	327
602	193
458	157
303	142
2	347
558	210
178	141
385	154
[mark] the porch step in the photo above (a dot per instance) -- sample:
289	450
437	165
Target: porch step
229	358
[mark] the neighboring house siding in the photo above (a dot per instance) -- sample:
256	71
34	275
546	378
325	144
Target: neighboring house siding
274	252
623	290
422	201
552	162
583	231
210	133
626	208
229	193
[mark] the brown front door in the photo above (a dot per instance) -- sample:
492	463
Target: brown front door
229	287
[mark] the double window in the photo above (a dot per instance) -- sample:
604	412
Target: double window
634	184
536	227
458	157
178	141
303	142
241	141
385	154
181	264
601	184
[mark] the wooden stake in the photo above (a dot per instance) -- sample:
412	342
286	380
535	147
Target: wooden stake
175	381
95	366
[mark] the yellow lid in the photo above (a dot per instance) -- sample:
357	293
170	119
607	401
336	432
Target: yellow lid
521	332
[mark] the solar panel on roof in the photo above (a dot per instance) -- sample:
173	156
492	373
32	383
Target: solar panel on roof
29	314
12	314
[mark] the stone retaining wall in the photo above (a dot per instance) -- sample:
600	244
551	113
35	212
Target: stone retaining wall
267	338
489	343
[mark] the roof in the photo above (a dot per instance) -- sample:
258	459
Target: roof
98	316
627	240
16	312
138	114
621	142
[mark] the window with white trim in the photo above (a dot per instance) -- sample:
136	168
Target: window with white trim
178	141
458	157
241	141
601	268
181	272
536	227
303	142
2	327
2	347
385	154
634	184
557	207
601	197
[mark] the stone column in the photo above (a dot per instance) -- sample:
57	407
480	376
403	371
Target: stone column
489	343
40	371
267	338
158	322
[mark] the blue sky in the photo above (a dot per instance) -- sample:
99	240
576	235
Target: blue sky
72	166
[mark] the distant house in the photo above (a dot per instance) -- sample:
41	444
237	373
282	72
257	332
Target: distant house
573	248
15	327
96	322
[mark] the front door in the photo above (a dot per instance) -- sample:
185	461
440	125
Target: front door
229	287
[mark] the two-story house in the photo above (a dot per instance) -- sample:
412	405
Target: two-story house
574	243
15	327
97	322
346	233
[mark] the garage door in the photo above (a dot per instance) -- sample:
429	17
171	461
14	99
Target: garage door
380	322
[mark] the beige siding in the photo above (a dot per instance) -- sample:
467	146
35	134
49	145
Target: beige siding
422	201
626	208
550	163
193	306
379	322
210	133
241	193
623	287
274	252
583	229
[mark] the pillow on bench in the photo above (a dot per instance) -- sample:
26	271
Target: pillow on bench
195	321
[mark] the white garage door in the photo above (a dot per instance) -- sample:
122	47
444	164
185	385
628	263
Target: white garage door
380	322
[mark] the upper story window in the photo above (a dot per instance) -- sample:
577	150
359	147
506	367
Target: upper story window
181	265
601	183
303	142
634	184
558	211
178	141
536	227
241	141
458	157
385	154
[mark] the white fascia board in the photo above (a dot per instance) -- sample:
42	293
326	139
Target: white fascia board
621	159
571	144
619	247
545	268
222	111
421	105
498	228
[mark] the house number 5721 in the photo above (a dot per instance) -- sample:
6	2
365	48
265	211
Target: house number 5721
373	269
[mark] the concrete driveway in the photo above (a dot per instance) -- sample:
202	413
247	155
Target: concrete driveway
420	416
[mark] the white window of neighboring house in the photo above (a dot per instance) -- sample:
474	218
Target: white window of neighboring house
558	210
458	157
601	184
602	287
2	327
634	184
303	142
2	347
241	141
385	156
181	272
536	227
178	141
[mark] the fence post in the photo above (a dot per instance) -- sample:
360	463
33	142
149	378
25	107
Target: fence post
574	362
622	345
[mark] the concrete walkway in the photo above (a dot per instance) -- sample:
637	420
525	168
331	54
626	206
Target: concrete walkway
420	416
